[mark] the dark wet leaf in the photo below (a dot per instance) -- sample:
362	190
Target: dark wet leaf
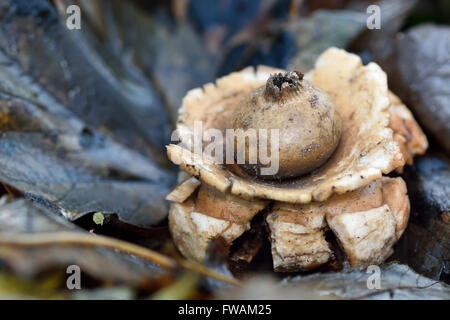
249	35
83	75
419	73
392	17
397	282
180	62
78	134
322	30
234	16
21	217
425	245
171	54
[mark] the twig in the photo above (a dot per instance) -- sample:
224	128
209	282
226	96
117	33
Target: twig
81	239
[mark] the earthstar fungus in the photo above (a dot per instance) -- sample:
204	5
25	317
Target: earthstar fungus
345	191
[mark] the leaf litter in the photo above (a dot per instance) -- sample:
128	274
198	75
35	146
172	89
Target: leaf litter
85	116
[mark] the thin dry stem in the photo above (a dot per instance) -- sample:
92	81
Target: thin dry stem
80	239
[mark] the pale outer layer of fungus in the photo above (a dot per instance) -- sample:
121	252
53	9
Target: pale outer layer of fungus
384	136
367	148
367	222
207	215
407	133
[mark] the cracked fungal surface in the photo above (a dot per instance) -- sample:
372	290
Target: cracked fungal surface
347	195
